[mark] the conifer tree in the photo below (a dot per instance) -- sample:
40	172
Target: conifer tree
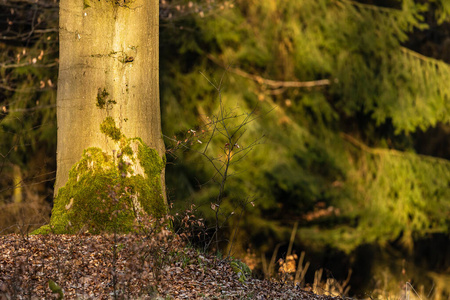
348	95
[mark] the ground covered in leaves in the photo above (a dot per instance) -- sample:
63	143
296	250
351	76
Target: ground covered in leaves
125	267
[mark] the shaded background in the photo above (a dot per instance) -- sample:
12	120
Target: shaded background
350	105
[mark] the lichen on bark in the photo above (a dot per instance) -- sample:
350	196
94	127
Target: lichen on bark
110	192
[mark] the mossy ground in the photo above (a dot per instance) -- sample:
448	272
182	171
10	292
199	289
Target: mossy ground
110	192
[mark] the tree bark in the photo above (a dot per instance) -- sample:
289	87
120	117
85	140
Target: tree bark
109	65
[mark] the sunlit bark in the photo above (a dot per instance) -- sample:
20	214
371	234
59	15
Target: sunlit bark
107	48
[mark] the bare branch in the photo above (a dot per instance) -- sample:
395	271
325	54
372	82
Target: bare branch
276	84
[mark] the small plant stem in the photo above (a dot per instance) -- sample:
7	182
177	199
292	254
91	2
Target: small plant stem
291	241
114	262
221	191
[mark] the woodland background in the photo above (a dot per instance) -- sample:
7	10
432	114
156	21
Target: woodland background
348	141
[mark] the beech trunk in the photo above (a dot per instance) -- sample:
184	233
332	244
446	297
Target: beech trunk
108	68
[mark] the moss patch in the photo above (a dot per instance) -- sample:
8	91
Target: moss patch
102	99
108	127
116	3
110	193
123	3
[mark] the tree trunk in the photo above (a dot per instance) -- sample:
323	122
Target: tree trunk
109	70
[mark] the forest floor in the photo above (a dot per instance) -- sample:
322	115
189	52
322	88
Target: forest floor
126	267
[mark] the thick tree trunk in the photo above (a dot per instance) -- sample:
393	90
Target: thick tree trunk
110	160
109	46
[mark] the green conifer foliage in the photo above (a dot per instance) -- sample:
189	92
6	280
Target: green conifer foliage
313	167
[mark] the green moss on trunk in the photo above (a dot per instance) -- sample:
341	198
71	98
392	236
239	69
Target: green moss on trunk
108	127
110	192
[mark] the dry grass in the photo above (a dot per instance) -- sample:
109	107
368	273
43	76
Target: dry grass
23	217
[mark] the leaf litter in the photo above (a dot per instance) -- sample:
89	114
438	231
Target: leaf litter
130	266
